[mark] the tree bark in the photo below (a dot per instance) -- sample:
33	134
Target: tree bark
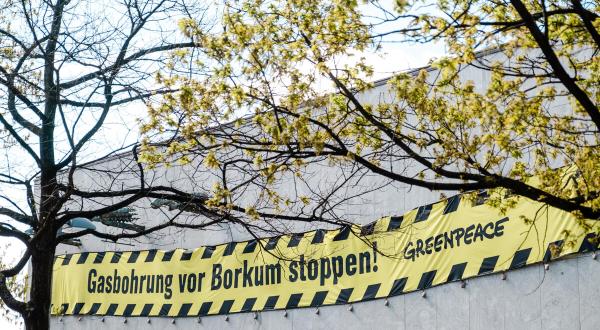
37	314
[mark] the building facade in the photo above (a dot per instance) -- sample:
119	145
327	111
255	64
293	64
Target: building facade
560	295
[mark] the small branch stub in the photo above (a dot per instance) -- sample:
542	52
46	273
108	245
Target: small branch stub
503	276
424	294
463	284
386	303
546	266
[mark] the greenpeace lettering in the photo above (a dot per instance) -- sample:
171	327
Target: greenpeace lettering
447	241
455	237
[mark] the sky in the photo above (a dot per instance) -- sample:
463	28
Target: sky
392	58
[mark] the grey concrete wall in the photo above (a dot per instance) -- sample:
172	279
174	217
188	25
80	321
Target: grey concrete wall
364	200
369	198
566	296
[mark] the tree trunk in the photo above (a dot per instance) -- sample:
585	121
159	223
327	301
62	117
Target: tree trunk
37	315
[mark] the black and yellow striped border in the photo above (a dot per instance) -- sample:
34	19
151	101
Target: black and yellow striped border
487	265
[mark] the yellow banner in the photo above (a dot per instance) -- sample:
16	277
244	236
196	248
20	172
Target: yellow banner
438	243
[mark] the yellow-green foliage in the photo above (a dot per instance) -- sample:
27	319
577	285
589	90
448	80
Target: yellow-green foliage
272	57
16	284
